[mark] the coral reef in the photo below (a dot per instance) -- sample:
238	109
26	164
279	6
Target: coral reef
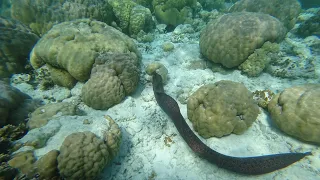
210	5
113	76
24	161
159	69
292	67
132	17
231	38
47	166
71	48
221	108
40	16
82	156
173	12
310	27
260	59
5	9
16	42
167	46
103	90
85	151
10	100
7	172
286	11
296	111
309	3
263	97
43	114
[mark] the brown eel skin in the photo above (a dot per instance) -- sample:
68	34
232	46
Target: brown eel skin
243	165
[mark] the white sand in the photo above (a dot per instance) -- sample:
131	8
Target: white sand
144	154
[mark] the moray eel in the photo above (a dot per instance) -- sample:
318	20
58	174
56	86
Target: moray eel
244	165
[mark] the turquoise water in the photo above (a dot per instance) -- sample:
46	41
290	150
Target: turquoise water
79	98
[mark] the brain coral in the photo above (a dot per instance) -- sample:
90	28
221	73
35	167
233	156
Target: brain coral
286	11
221	108
113	76
230	39
16	42
296	111
73	46
82	156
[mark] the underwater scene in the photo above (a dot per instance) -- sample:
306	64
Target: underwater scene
160	90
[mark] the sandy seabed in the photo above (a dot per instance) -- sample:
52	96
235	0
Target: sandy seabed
152	147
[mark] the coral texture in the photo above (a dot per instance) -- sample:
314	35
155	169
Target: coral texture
43	114
24	161
47	166
296	111
132	17
286	11
40	16
10	99
73	46
113	76
103	90
173	12
16	42
311	26
82	156
260	59
230	39
221	108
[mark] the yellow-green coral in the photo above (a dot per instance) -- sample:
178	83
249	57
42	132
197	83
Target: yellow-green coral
131	16
221	108
41	15
231	38
140	20
83	155
172	12
258	60
296	111
73	46
122	10
167	46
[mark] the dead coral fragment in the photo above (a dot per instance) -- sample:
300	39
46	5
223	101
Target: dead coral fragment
263	97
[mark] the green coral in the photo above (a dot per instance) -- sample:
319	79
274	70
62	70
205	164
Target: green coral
222	108
73	46
132	17
167	46
172	12
83	155
140	20
296	111
41	15
122	10
112	78
259	60
209	5
231	38
145	3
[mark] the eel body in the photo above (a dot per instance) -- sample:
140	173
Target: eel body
244	165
